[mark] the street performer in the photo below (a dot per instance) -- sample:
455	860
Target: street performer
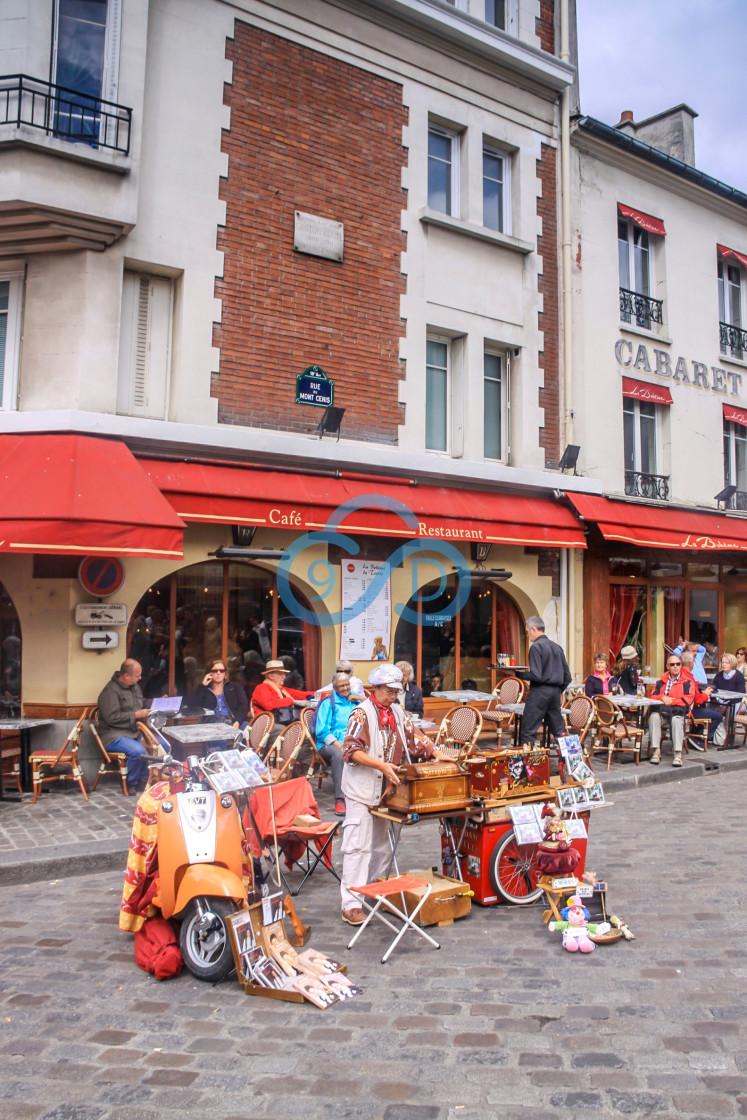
548	676
378	732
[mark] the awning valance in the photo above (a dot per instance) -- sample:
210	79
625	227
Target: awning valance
726	253
643	221
735	415
645	391
219	493
81	495
656	527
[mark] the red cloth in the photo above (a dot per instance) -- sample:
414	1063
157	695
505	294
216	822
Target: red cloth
291	799
157	948
385	714
266	698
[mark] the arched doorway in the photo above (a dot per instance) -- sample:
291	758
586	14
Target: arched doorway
10	657
462	648
220	608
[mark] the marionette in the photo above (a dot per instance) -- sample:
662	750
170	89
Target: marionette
555	856
576	928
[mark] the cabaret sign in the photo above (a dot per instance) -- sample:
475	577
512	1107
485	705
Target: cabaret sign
685	371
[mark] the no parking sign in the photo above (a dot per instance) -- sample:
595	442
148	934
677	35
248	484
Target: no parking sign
101	575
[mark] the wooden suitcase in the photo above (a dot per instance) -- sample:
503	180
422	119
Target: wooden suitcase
429	789
508	773
448	900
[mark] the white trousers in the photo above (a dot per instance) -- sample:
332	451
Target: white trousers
365	850
678	731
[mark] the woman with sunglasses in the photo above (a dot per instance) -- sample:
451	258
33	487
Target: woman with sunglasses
225	699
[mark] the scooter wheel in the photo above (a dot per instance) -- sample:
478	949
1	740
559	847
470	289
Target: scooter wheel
208	954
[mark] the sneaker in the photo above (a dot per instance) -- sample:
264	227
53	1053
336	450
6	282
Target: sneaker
696	744
655	759
354	917
677	760
340	808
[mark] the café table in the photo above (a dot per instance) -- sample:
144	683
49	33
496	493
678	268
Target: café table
196	737
464	696
24	727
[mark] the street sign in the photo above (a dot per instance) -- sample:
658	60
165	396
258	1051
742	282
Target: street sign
100	639
101	575
101	614
315	388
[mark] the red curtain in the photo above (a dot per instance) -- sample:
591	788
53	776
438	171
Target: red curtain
623	599
509	626
311	656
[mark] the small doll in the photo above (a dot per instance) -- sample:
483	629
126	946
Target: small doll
576	928
555	856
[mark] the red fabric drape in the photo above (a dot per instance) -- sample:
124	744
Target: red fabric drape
508	625
623	599
311	656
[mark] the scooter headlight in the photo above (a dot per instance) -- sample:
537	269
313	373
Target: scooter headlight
226	801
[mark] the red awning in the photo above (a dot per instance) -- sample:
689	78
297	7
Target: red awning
733	253
655	527
232	494
643	221
645	391
80	495
735	415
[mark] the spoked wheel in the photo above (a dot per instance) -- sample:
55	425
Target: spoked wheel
513	870
204	940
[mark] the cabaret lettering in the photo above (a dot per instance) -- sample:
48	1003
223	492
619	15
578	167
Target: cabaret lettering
686	371
641	360
663	363
680	371
446	531
292	519
620	345
700	375
719	379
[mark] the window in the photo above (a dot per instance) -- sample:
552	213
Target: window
735	462
437	395
443	170
733	339
145	346
86	60
495	189
495	13
10	334
635	253
642	456
495	405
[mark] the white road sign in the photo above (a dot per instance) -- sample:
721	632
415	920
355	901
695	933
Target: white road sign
101	614
100	639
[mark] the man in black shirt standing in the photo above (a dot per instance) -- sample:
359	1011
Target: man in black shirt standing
548	676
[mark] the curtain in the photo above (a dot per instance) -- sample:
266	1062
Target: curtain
509	626
623	599
311	656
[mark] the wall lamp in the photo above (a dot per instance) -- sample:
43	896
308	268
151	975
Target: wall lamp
480	551
331	421
243	535
569	458
726	495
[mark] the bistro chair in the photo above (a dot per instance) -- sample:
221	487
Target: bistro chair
511	690
45	764
578	718
113	763
612	731
10	757
283	754
317	767
259	731
496	722
459	730
740	724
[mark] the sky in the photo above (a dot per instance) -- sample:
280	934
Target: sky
648	55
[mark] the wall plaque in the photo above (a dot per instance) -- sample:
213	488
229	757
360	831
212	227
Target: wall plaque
319	237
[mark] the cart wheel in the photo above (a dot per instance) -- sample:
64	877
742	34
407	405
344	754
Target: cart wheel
513	871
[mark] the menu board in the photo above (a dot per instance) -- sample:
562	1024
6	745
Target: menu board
366	635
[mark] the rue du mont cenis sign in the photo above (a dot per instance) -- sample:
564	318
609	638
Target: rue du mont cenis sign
315	388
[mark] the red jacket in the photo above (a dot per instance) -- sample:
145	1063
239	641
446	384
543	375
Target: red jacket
265	698
700	697
682	692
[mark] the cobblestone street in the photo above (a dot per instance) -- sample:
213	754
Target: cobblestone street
499	1023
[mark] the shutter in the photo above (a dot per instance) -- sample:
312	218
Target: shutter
144	346
507	433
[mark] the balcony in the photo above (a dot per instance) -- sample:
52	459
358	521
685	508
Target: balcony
736	500
733	341
655	487
642	310
63	113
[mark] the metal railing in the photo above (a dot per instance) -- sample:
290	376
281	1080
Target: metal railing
643	310
733	340
738	500
64	113
638	484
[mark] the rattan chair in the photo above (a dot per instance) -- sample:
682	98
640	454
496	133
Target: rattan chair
578	719
612	732
10	757
283	754
511	690
113	763
317	766
45	764
259	731
459	730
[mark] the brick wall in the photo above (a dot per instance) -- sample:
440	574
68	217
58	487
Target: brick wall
548	319
544	25
309	133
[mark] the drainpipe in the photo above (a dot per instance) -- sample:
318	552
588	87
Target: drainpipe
567	567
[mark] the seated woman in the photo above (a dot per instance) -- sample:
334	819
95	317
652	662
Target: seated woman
226	699
627	670
411	697
601	681
742	661
272	696
729	677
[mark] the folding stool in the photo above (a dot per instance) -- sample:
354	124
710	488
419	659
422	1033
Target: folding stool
381	893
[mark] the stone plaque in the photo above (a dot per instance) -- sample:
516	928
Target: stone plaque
319	237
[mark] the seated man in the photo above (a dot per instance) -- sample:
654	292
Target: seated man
331	721
120	707
676	692
356	684
702	708
698	652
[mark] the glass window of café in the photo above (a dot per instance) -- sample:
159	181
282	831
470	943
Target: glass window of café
656	603
10	657
218	609
458	652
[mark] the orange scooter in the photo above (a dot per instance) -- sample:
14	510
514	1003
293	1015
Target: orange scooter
200	857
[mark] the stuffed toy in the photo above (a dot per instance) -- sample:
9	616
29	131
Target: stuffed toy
576	929
555	856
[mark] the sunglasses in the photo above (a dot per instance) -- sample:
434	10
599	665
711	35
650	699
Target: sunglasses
217	670
671	663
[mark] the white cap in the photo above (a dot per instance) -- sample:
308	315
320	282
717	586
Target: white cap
385	674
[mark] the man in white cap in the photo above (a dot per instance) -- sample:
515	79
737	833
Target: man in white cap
378	735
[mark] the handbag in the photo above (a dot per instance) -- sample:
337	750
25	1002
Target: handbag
285	715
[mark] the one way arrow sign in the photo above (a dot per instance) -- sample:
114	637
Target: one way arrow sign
100	639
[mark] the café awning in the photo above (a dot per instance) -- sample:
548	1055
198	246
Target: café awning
657	527
70	494
232	494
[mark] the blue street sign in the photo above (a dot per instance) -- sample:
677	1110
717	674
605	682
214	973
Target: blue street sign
315	388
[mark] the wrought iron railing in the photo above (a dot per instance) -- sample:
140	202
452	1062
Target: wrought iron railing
738	500
638	484
642	310
64	113
733	340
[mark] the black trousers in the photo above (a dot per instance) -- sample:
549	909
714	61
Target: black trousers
543	701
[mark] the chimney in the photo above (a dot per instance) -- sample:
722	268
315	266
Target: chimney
625	117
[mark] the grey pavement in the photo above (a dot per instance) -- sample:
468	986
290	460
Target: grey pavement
500	1022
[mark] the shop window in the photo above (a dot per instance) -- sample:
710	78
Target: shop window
443	170
666	622
708	572
627	617
10	657
627	566
145	346
703	623
732	335
735	620
10	337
